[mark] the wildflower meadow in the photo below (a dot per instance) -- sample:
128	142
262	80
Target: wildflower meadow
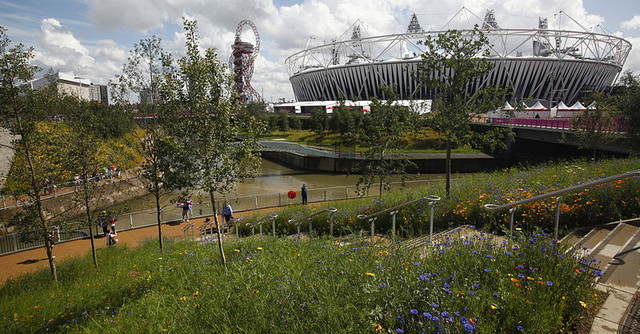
471	284
466	283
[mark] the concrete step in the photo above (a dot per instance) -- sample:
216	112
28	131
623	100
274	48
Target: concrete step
587	243
611	245
622	271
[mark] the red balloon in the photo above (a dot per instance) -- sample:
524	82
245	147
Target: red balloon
292	194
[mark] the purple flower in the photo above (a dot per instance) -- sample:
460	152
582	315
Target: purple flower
383	285
413	311
423	277
520	329
399	330
434	305
549	283
427	315
487	270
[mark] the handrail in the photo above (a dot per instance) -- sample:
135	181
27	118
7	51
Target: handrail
512	206
186	229
426	198
394	210
298	221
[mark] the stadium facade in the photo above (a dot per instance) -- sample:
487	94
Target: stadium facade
535	64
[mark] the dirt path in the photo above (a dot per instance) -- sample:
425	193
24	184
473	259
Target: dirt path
12	265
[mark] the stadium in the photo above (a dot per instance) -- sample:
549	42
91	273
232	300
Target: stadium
535	64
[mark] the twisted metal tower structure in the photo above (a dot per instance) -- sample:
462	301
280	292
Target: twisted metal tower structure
241	63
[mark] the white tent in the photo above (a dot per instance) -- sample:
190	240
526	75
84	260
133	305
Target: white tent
578	106
507	106
562	106
537	106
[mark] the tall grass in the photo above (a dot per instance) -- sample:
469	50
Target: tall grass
478	284
597	205
319	286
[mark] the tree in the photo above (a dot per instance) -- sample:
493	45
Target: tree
217	157
141	72
146	73
24	108
382	136
596	127
88	127
628	102
448	67
319	121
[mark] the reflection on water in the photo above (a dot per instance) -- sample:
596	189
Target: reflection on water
274	179
277	178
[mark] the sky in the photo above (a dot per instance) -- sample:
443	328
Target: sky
92	38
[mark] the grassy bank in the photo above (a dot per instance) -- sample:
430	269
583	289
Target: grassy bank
426	142
279	285
319	286
597	205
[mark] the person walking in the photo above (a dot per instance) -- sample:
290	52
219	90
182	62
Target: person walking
112	236
227	212
186	206
303	193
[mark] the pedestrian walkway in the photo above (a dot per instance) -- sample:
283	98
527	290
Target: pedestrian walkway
18	263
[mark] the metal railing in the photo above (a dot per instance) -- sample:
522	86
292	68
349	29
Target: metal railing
69	188
513	206
272	217
10	243
394	211
298	221
187	229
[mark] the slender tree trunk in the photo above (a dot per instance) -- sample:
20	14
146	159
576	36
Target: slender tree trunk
36	197
215	219
448	168
159	219
156	193
89	222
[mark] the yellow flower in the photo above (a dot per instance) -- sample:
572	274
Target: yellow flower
378	328
236	250
183	298
514	280
196	294
493	307
255	291
583	304
370	274
259	248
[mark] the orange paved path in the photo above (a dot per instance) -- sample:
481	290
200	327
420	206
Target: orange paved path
32	260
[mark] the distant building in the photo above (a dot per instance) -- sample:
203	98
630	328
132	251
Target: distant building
75	87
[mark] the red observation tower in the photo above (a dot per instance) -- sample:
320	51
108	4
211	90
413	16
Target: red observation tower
241	63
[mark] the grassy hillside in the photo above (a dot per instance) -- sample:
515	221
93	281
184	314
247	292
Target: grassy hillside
318	286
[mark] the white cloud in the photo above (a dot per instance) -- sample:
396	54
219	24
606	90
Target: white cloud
634	23
283	29
139	15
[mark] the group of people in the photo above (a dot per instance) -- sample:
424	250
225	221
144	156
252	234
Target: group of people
186	205
108	225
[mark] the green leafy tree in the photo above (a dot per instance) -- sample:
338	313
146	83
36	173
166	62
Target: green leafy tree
217	157
24	109
596	127
141	73
283	120
448	67
628	103
150	74
382	137
319	121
